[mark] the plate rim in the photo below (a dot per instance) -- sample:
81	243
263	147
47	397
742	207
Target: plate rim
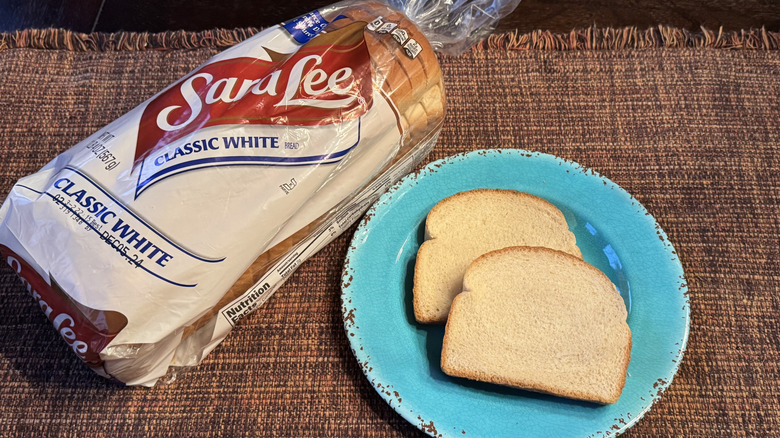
351	330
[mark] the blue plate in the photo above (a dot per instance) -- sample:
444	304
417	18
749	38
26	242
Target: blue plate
401	358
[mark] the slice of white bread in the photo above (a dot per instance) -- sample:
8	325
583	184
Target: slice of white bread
542	320
468	224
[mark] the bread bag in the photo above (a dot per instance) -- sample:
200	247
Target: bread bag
145	243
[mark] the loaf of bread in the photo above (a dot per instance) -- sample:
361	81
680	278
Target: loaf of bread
466	225
167	226
412	83
542	320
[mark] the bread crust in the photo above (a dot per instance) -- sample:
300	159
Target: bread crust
419	315
521	383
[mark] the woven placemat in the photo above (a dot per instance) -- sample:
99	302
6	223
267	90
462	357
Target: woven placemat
688	122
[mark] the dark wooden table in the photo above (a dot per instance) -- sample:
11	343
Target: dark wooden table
554	15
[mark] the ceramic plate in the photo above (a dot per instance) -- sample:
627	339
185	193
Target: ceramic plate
401	358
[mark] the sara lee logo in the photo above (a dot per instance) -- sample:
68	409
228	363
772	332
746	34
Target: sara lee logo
86	331
328	81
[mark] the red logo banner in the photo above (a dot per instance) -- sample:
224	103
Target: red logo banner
327	81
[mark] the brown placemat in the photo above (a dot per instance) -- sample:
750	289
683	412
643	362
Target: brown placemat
689	123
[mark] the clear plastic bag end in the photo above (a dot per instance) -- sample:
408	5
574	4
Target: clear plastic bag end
454	26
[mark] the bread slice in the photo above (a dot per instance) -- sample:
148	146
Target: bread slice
542	320
468	224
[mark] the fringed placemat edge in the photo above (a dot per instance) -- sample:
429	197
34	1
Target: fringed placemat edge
592	38
62	39
597	38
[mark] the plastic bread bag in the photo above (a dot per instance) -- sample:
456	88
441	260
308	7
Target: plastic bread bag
146	243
